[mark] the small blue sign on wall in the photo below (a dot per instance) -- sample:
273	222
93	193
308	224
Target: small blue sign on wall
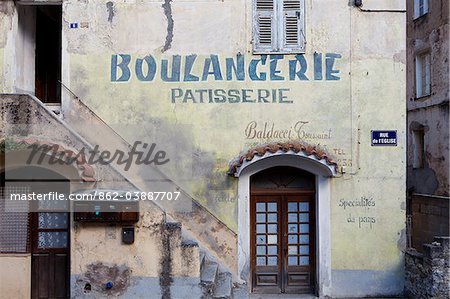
384	138
73	25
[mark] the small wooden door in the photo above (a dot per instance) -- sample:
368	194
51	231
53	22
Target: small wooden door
50	263
48	30
283	232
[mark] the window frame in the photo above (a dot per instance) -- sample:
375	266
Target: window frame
418	143
417	7
278	31
422	74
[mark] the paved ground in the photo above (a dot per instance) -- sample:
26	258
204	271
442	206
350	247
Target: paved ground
281	296
241	293
286	296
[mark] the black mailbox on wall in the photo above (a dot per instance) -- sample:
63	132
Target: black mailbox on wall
128	235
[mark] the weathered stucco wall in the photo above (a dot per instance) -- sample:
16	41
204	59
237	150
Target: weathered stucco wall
15	271
431	113
203	137
354	82
157	263
7	12
160	260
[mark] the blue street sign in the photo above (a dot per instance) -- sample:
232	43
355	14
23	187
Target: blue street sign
384	138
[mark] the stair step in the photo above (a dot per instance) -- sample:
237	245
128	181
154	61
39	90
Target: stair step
202	258
224	286
240	291
208	273
189	243
173	226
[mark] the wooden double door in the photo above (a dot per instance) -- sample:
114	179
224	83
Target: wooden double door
283	241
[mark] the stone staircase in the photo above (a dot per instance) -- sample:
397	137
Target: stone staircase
185	256
201	225
216	283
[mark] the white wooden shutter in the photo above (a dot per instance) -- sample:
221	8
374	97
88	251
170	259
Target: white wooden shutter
418	76
423	75
427	89
264	38
293	31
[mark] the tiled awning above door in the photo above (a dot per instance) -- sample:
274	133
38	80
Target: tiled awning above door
312	153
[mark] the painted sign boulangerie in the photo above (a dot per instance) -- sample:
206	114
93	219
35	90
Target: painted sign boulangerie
263	68
213	68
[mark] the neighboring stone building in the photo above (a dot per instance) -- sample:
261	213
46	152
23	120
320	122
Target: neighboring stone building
427	274
427	259
428	119
265	140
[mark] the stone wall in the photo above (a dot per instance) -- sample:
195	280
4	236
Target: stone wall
427	274
430	217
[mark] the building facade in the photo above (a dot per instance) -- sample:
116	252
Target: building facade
428	121
258	138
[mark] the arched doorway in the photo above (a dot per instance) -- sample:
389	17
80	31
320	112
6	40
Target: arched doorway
40	228
282	231
48	233
323	170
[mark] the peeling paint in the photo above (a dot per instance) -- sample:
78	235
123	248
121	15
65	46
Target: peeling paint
422	180
98	275
7	10
165	277
169	37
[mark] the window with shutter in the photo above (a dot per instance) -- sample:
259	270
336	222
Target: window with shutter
278	26
423	75
292	24
264	25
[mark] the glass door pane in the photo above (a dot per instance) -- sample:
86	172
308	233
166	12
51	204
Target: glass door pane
267	229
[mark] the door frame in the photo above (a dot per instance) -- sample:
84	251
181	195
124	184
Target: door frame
51	252
282	196
322	203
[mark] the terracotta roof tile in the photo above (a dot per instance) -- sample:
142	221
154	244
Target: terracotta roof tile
88	170
295	146
88	179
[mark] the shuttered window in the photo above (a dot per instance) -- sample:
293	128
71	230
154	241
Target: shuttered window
279	26
423	74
